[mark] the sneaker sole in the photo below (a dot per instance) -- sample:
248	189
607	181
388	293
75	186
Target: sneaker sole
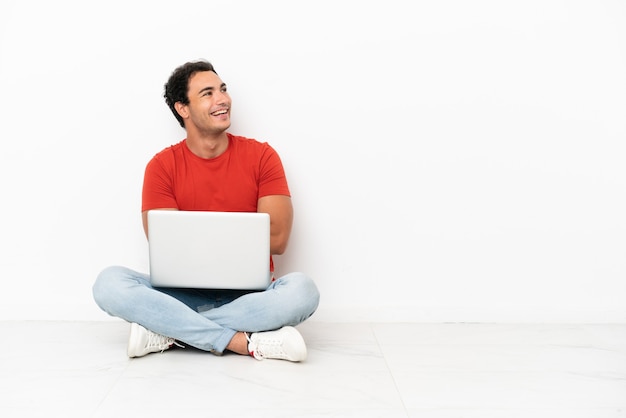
134	344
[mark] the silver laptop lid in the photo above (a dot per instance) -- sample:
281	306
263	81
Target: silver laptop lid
214	250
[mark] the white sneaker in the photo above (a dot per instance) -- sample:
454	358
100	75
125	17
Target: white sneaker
285	344
143	341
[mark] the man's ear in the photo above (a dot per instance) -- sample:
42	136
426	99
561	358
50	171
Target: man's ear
181	109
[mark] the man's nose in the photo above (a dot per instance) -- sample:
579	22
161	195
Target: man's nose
222	97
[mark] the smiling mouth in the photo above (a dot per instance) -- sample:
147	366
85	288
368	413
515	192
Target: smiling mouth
220	112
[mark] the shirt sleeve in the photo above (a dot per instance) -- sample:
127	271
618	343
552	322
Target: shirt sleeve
158	190
273	180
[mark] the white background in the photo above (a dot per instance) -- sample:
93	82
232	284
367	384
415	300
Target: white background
448	160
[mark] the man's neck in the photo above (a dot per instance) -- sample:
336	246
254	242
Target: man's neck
207	146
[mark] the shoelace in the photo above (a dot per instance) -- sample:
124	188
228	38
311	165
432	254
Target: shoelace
160	342
267	347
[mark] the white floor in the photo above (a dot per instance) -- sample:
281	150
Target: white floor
80	369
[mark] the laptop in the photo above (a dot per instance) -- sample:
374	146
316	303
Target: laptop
209	250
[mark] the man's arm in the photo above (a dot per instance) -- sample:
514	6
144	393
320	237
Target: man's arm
280	210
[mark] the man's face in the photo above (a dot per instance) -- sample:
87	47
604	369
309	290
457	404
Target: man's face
209	103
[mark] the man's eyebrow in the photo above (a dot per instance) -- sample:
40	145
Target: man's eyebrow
211	88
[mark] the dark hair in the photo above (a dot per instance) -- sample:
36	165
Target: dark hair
178	84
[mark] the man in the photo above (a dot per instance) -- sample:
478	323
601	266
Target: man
212	170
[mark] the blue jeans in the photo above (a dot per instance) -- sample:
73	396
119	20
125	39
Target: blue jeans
205	319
